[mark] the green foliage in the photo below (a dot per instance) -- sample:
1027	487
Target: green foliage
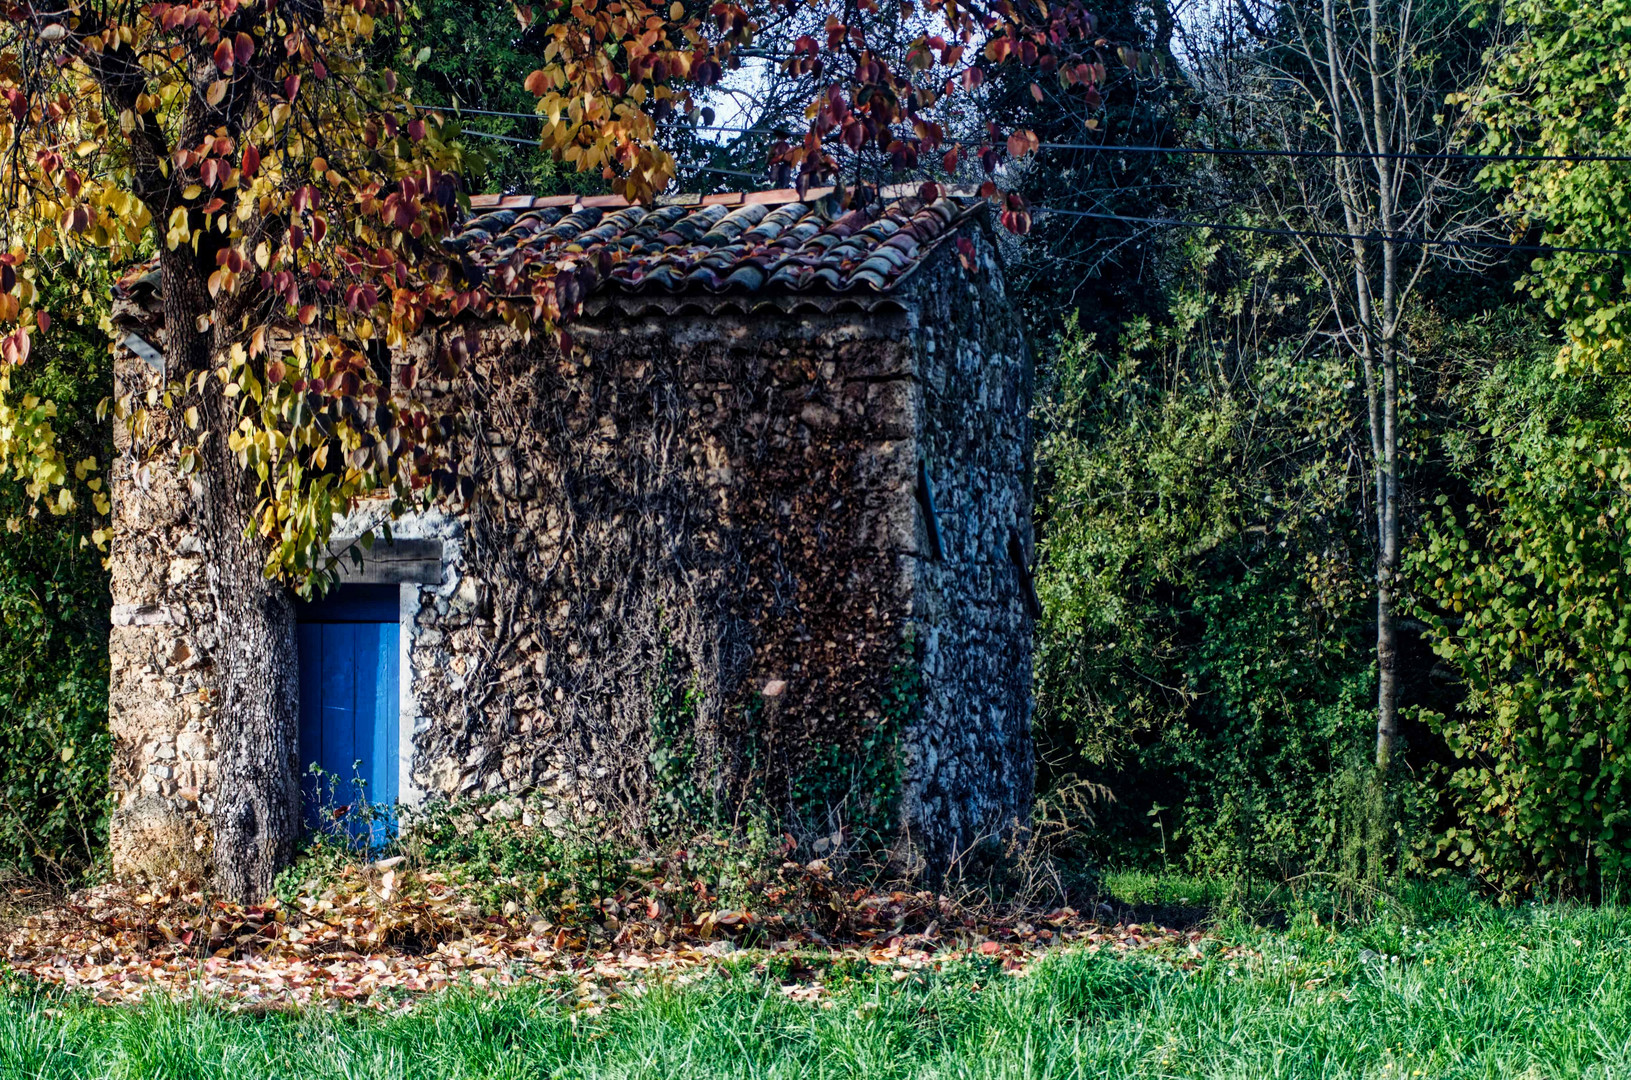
1204	649
1528	589
474	54
1562	87
678	799
856	789
851	788
510	855
54	623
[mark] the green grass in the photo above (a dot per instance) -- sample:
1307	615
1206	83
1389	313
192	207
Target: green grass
1533	993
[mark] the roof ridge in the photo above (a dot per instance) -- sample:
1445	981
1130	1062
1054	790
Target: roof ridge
773	197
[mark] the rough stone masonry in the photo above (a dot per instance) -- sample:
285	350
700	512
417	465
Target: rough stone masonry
757	549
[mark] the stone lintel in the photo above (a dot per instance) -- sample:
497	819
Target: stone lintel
396	562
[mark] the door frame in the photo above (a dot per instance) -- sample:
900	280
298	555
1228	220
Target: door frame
409	564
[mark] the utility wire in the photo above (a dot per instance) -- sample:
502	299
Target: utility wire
501	138
1361	155
1201	151
1376	238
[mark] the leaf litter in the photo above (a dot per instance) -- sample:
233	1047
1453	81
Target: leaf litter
381	935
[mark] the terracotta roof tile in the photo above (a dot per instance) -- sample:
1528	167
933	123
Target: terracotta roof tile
765	241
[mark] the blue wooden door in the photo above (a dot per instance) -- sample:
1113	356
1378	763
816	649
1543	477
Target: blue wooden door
349	704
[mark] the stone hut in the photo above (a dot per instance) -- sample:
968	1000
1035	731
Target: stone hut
762	538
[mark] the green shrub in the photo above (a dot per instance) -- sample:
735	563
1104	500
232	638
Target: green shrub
1205	647
1528	590
54	623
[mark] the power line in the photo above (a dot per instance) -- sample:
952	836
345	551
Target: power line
1242	151
1321	234
501	138
1198	151
1357	155
481	112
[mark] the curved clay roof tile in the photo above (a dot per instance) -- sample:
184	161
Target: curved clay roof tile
870	276
747	277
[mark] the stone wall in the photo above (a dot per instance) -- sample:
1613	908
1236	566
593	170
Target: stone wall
726	506
969	758
705	513
162	697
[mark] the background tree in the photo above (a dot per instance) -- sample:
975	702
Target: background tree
1368	87
1522	573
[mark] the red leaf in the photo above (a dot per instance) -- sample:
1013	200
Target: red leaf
252	161
243	47
537	83
1017	222
224	59
43	319
291	87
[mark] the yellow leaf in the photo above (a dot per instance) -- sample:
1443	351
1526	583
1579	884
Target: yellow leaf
217	92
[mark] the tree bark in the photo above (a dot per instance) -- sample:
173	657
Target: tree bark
256	814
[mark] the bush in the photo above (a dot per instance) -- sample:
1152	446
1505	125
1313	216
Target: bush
1205	649
54	626
1528	590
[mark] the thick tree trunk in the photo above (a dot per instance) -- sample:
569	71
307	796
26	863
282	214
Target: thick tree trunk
256	816
257	802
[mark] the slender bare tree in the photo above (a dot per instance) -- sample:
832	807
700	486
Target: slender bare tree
1367	92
